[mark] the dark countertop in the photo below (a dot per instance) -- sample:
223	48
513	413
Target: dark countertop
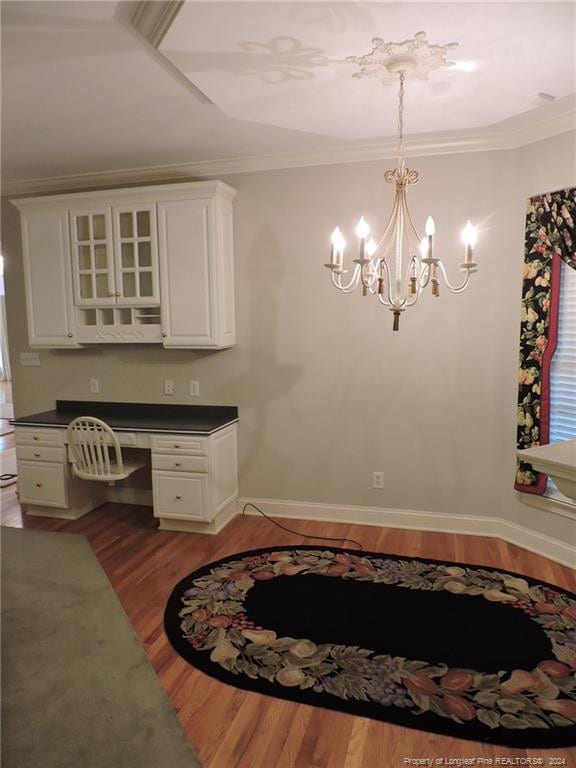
137	417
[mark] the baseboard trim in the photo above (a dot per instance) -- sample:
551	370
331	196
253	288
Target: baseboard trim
469	525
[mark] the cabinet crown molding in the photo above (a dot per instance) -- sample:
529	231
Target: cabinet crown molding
154	193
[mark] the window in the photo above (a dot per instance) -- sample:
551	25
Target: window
563	369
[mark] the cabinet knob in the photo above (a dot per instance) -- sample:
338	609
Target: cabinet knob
117	293
70	335
34	437
38	485
179	498
164	335
176	463
36	453
176	445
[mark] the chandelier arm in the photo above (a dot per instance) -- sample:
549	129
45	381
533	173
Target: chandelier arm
372	274
389	223
384	301
349	287
455	288
426	273
374	265
388	302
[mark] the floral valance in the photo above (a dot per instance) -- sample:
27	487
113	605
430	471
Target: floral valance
550	239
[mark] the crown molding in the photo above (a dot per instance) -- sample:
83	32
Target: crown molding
154	19
485	141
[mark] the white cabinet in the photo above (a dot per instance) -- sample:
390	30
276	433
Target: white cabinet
197	300
42	483
48	279
151	264
114	255
194	479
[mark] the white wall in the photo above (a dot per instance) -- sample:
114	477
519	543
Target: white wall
327	392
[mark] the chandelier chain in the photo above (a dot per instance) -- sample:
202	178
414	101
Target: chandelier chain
401	121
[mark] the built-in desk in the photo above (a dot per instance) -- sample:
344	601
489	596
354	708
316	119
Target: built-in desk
194	467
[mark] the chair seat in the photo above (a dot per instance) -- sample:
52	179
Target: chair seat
130	466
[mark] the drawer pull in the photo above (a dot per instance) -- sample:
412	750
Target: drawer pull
38	485
36	453
176	463
176	445
178	498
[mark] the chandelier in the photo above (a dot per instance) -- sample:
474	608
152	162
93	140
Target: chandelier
401	264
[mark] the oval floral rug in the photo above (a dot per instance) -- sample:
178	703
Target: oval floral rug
470	652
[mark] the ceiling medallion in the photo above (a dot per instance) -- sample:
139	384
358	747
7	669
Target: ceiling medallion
416	58
401	264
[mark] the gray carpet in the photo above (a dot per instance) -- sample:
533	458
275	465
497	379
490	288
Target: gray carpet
78	690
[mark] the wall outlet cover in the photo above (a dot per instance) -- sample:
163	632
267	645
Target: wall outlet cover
29	358
168	387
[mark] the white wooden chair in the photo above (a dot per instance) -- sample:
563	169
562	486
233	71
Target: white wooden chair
95	452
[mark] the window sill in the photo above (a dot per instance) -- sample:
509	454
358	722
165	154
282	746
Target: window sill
553	502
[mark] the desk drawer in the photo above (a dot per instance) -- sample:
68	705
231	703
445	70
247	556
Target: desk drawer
180	495
40	453
40	436
177	463
174	444
42	483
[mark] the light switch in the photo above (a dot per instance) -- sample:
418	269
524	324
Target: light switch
194	388
168	387
95	386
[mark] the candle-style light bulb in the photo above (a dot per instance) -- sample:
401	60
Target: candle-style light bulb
337	238
338	245
430	229
371	247
469	237
469	234
362	229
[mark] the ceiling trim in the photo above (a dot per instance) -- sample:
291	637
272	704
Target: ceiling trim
440	145
154	19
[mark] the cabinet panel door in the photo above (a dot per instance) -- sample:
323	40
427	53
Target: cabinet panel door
92	257
136	255
48	279
185	235
181	494
42	483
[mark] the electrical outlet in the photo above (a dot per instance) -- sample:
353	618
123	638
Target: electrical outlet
29	358
168	387
194	388
95	386
377	479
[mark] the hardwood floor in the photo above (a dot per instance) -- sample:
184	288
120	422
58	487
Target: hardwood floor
231	728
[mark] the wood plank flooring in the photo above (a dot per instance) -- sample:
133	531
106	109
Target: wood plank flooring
231	728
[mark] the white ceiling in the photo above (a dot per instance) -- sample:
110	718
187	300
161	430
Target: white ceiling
84	93
284	64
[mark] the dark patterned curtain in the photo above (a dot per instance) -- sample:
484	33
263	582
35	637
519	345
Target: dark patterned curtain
550	239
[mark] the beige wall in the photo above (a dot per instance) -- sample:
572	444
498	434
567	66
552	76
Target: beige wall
327	392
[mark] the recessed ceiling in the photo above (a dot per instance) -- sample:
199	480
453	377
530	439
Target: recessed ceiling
284	64
259	83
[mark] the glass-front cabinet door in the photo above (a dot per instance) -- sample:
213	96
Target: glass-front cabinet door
136	252
92	257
